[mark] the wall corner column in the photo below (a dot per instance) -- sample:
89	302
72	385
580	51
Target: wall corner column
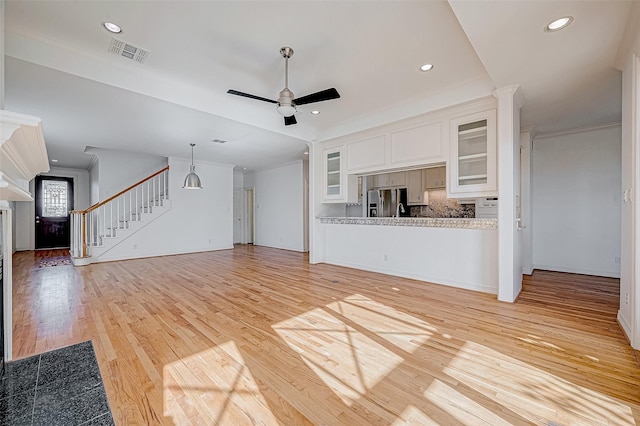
510	100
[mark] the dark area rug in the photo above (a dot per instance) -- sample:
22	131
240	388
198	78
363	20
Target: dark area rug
60	387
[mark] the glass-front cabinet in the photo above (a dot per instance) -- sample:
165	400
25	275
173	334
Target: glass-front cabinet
338	187
473	155
333	160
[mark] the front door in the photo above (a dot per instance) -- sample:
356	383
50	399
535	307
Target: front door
54	201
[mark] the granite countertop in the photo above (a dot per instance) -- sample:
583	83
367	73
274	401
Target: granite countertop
460	223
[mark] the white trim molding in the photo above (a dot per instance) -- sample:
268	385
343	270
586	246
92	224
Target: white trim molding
23	154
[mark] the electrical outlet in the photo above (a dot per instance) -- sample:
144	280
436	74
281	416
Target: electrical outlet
616	260
626	298
386	257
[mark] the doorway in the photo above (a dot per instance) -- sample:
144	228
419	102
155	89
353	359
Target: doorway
54	201
237	216
248	216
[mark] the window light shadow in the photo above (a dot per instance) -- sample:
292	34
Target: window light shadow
214	387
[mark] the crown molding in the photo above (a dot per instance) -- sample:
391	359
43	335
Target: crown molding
577	130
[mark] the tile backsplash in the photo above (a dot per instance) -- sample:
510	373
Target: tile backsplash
441	206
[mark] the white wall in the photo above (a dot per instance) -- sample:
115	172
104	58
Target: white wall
576	202
249	180
25	210
278	206
465	258
94	182
197	220
121	169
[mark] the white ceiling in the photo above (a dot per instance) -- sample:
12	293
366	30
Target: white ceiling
58	68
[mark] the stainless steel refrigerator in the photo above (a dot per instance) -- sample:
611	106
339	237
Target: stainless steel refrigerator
387	202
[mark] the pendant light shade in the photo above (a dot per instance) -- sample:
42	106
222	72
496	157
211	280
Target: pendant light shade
192	181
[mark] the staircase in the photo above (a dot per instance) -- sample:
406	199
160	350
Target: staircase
96	231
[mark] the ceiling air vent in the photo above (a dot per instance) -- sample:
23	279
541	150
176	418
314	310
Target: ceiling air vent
218	141
123	48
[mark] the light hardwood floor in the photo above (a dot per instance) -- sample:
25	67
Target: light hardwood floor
258	336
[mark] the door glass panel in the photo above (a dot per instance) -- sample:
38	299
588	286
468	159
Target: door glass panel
54	198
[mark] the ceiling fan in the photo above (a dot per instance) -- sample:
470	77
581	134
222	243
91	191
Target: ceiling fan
287	102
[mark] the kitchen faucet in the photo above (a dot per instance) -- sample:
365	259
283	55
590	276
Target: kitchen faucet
399	209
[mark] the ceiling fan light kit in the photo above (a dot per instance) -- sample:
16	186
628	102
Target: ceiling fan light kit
287	103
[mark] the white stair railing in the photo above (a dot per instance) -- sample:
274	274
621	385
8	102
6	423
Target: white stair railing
90	227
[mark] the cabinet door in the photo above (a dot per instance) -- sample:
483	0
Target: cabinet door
473	154
415	189
332	174
381	181
434	178
398	179
441	177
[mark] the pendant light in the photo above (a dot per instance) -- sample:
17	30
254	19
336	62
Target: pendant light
192	181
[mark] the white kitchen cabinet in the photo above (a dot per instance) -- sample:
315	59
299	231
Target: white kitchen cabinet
366	154
333	182
473	170
415	188
420	144
434	178
338	187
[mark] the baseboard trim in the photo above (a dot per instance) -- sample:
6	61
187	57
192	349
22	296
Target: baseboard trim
81	261
626	332
582	271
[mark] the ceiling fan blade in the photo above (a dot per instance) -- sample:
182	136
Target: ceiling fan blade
290	120
247	95
323	95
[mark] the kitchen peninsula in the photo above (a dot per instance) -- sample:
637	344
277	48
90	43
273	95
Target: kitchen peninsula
450	153
456	252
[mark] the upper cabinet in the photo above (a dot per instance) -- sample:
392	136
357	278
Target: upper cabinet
472	162
333	186
409	145
386	180
417	145
367	154
338	187
434	178
415	187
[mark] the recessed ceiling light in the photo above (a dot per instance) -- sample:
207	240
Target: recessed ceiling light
111	27
315	112
558	24
53	160
306	153
244	168
426	67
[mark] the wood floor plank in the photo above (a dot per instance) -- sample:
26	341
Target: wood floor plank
259	336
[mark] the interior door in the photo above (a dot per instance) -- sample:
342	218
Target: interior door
248	226
237	216
54	201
